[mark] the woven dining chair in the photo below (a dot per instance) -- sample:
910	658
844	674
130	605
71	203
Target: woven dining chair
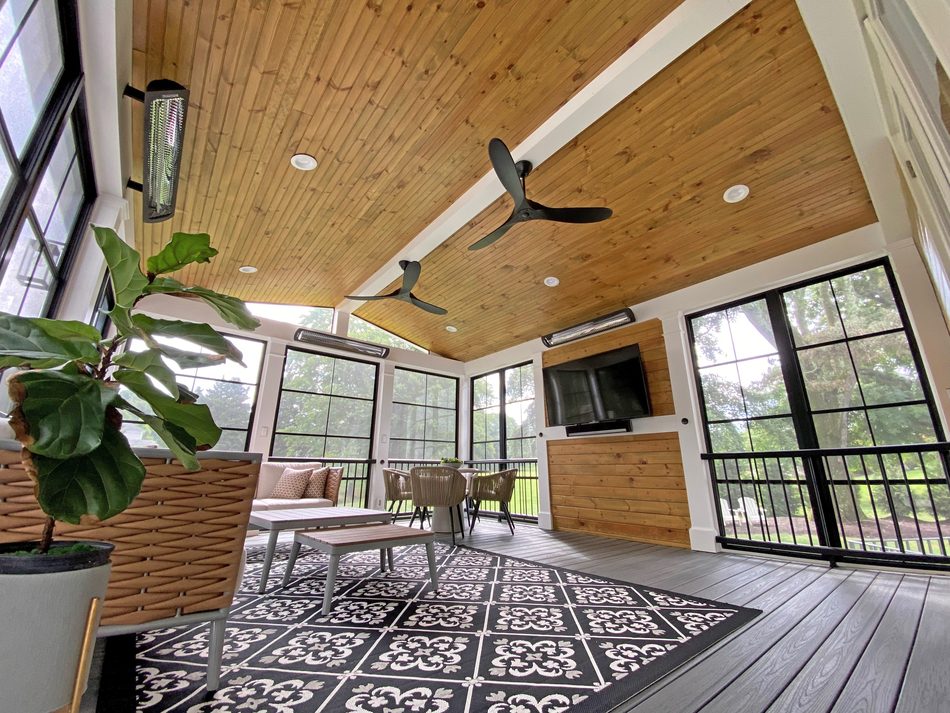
398	488
497	487
438	487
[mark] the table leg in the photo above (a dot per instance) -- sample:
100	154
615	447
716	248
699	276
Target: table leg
268	559
433	573
294	551
330	583
389	555
382	560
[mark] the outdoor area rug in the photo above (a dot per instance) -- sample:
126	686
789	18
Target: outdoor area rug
501	635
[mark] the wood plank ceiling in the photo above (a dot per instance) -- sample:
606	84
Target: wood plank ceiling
397	100
749	104
398	104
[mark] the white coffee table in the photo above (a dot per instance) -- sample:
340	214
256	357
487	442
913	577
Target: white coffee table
274	521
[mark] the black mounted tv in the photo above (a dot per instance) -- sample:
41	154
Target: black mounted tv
603	387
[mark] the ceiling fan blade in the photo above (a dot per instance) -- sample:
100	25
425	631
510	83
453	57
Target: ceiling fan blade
494	235
410	274
421	304
373	297
504	166
572	215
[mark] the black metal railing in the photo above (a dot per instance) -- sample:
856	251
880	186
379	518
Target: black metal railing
875	503
524	499
354	488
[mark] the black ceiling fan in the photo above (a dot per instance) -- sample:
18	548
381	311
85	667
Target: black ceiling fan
410	276
512	177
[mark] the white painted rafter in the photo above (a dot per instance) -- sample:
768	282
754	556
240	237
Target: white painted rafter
677	32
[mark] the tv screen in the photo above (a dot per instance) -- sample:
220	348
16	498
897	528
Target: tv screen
603	387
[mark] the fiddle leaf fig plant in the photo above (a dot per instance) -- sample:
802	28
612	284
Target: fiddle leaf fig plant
73	386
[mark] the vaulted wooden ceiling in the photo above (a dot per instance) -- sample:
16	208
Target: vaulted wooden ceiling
398	104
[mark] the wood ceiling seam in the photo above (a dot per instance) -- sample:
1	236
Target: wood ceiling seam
257	94
219	22
322	86
285	84
396	118
285	117
235	70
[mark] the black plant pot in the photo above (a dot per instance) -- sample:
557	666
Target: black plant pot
53	561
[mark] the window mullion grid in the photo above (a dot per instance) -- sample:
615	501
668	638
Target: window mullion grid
745	410
816	478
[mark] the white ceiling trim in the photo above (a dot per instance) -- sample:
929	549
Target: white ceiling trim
835	30
677	32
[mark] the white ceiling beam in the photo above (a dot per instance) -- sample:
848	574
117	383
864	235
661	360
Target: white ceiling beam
835	30
677	32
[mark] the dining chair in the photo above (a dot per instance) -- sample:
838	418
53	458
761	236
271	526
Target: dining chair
497	487
398	488
438	487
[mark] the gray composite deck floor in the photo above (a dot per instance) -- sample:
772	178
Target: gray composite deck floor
843	640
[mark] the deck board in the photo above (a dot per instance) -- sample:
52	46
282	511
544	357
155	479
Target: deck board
842	640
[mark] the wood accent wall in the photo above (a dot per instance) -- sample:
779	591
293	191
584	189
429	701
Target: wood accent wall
630	486
649	335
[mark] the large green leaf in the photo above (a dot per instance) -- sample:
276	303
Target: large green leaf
200	334
184	249
230	308
150	362
122	319
195	419
123	260
189	360
65	412
178	440
44	343
99	484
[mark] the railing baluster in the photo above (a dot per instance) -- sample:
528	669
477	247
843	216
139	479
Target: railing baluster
933	504
910	498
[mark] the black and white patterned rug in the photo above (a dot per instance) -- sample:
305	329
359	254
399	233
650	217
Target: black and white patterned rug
501	635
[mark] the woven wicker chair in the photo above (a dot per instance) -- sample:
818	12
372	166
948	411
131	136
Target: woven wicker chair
398	488
179	548
497	487
438	487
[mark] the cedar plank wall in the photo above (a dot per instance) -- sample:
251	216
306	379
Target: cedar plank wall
628	486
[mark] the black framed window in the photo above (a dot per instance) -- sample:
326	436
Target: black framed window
327	407
46	182
829	363
424	416
503	414
105	301
229	389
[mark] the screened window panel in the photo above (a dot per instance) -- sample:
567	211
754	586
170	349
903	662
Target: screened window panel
424	416
325	408
27	282
29	72
503	414
229	392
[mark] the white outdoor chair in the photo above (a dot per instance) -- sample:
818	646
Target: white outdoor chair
749	509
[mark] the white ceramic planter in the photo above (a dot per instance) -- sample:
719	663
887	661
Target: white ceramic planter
43	619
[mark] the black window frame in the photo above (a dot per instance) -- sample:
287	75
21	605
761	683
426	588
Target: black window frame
424	440
252	414
503	421
800	408
372	430
65	106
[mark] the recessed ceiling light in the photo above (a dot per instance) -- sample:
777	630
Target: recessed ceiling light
552	281
451	328
736	193
303	161
247	269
